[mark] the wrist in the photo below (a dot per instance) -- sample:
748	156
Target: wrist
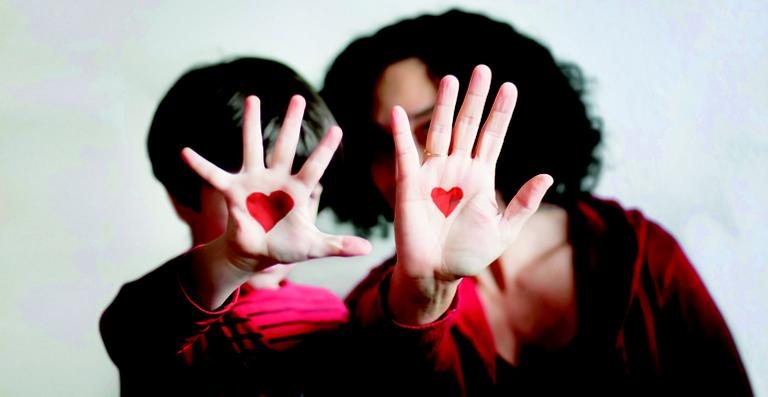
212	277
238	259
419	300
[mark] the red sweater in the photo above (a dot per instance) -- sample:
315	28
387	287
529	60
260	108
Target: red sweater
647	326
260	342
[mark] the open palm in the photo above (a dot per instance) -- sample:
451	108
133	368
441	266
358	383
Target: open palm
271	216
448	223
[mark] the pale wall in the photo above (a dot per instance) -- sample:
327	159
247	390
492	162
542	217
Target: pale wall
681	87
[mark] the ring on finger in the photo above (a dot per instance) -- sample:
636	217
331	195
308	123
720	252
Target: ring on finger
428	154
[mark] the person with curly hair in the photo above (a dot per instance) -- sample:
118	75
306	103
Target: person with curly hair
490	292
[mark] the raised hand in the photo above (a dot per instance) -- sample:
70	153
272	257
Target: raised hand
448	223
270	212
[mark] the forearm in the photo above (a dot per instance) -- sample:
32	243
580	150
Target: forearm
211	276
152	318
419	300
424	357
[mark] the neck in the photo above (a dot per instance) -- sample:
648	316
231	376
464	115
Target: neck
543	235
529	292
270	278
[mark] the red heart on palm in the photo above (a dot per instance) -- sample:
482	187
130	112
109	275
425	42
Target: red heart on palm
447	200
268	210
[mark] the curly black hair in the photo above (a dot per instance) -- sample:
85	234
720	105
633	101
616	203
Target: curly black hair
203	110
551	130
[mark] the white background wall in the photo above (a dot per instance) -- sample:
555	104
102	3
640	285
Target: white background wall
682	88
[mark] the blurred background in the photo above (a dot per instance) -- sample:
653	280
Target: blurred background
682	88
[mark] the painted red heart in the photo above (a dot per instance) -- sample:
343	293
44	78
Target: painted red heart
268	210
447	200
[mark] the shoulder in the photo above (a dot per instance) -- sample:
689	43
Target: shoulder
657	261
609	216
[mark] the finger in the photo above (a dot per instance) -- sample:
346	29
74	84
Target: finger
439	137
318	161
406	154
314	202
495	128
525	203
332	245
468	121
212	174
285	147
253	151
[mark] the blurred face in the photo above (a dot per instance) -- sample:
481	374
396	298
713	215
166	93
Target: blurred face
406	83
211	221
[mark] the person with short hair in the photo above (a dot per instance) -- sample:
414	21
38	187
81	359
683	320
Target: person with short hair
221	318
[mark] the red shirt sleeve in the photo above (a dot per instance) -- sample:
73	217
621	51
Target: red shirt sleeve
153	319
425	359
686	336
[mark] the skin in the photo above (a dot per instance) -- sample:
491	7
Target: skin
211	222
406	84
243	250
524	268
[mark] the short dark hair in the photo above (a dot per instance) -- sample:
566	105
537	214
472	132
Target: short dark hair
551	130
203	110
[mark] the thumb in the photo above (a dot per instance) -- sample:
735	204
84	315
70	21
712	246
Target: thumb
334	245
524	204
